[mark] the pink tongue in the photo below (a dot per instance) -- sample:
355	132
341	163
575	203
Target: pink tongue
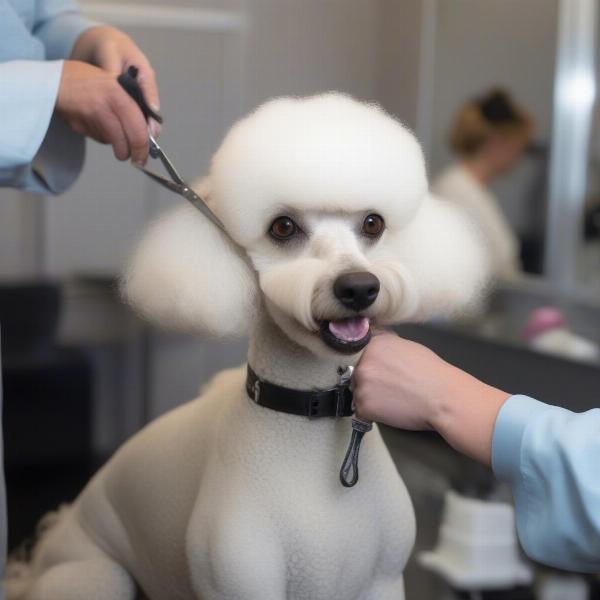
350	330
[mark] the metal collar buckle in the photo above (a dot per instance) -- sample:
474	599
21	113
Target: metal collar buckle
256	391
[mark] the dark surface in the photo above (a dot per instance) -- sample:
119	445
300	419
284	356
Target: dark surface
515	369
47	408
47	435
595	589
33	492
29	314
592	224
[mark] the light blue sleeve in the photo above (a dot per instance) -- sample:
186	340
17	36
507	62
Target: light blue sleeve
551	459
38	152
58	24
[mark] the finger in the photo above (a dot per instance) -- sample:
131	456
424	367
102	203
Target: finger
90	127
147	80
134	126
96	132
111	132
155	128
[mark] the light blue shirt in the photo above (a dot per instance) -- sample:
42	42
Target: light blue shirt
38	152
551	459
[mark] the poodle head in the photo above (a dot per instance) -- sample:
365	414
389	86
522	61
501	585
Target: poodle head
333	228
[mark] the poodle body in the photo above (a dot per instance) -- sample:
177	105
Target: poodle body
194	507
223	498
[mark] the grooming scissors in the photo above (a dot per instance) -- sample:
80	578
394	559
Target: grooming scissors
176	184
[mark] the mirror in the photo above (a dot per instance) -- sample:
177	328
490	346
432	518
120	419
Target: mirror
471	48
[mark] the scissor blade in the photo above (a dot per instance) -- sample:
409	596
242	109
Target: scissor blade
194	199
170	185
186	192
157	152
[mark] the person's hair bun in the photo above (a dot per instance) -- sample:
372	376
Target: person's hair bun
494	112
497	107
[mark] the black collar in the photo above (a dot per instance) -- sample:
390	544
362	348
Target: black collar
335	402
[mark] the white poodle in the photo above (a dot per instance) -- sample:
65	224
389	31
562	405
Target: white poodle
334	233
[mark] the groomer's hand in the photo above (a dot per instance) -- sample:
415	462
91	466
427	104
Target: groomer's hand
399	383
406	385
94	104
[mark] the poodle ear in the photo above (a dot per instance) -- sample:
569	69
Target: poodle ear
447	258
187	275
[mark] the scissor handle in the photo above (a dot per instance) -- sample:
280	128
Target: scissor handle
130	84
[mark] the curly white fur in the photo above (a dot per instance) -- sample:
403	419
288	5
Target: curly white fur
325	156
223	499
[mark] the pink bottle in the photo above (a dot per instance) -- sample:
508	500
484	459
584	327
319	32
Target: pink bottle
546	330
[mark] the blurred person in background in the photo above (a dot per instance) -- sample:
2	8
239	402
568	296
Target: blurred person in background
489	136
58	84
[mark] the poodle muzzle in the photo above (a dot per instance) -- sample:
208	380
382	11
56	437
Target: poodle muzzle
355	291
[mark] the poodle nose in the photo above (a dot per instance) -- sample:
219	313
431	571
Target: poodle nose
356	290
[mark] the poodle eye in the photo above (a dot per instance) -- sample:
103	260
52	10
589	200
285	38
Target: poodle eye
283	228
373	226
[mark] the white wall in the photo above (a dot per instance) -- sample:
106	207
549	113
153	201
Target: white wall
309	46
399	49
19	243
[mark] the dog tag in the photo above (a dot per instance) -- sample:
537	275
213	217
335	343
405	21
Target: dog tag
349	470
